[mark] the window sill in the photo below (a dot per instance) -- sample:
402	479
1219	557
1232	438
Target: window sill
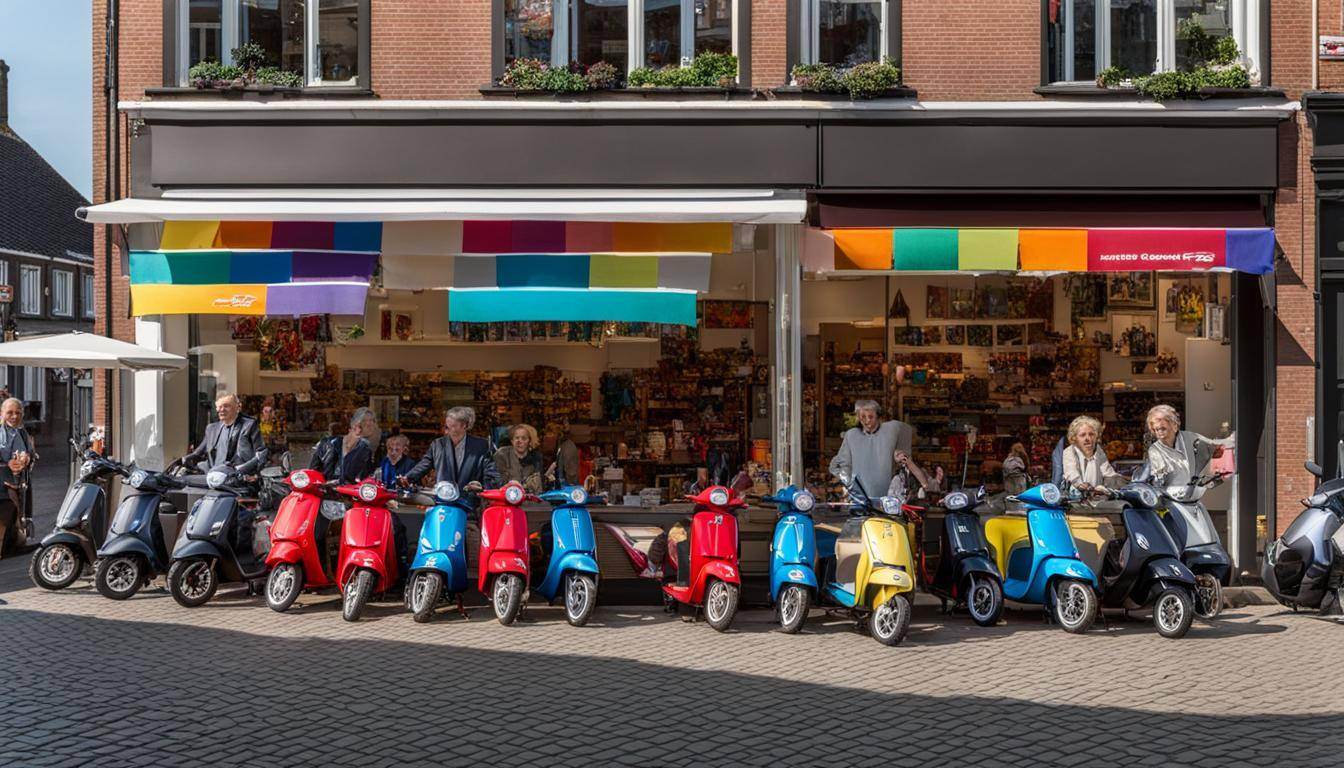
737	93
1093	91
257	93
796	93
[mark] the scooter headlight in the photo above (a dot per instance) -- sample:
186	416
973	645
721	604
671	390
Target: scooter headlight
578	496
718	497
1050	494
803	501
300	480
138	478
956	500
446	491
891	505
216	477
513	494
1147	496
368	492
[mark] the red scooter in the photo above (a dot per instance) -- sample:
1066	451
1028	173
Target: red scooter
503	562
298	558
368	559
707	569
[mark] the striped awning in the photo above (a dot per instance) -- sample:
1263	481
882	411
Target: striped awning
1039	250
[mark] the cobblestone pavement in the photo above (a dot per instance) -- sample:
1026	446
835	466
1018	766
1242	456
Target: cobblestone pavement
87	681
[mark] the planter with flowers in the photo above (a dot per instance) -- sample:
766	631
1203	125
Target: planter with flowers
869	80
707	74
249	71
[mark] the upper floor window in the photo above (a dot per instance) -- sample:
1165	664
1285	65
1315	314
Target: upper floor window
1085	37
62	292
625	33
86	293
843	33
320	40
30	289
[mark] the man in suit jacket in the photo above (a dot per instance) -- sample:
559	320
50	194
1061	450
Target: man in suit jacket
458	457
16	459
234	440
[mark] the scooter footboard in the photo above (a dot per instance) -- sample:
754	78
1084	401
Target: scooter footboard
1053	569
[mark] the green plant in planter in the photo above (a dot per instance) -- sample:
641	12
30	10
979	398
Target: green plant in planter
249	57
602	76
861	81
537	75
212	74
279	78
1113	76
817	78
708	70
1213	63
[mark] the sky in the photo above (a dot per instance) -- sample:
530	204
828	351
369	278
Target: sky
47	45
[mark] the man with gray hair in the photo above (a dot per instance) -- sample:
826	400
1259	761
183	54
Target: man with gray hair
457	457
234	440
867	454
349	457
16	459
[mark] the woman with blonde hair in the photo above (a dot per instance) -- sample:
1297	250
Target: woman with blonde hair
1177	455
1085	464
520	460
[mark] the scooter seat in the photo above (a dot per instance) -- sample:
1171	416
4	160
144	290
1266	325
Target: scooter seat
1005	533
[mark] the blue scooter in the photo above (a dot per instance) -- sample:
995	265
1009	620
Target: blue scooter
439	571
793	557
569	549
1040	562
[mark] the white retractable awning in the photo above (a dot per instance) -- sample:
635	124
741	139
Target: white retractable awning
741	206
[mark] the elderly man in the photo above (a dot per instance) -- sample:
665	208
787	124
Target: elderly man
866	459
458	457
234	440
16	458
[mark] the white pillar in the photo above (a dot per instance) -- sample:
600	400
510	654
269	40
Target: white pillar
159	402
786	354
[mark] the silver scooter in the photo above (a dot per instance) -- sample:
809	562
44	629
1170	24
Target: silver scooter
1201	548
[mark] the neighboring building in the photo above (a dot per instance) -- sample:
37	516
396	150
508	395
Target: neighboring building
46	257
1000	127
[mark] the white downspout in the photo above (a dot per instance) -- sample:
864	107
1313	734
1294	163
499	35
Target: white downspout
1315	44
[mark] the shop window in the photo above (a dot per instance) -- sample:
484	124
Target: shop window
321	40
844	32
30	290
660	33
1084	37
4	273
86	294
62	292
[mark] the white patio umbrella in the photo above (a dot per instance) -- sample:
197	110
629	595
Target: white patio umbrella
86	350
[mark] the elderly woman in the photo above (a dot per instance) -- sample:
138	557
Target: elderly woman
348	457
396	463
1085	464
1177	456
520	460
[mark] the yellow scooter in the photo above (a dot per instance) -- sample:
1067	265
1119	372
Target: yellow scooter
868	568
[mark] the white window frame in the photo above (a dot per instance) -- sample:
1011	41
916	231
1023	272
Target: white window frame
35	385
62	292
86	291
24	271
810	23
232	34
4	272
1245	30
564	36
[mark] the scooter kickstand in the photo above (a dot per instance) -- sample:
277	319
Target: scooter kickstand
462	609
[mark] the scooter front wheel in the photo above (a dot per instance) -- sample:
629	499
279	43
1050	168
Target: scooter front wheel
580	598
794	602
425	591
1075	605
1173	611
984	599
507	597
356	595
192	582
720	604
283	586
55	567
891	621
1208	596
119	577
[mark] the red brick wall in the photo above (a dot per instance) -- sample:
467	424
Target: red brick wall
769	43
971	51
430	50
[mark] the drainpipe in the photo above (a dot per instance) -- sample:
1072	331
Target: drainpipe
1315	44
111	185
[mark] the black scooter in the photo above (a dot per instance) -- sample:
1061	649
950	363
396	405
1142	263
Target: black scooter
1304	568
966	573
81	524
217	543
142	529
1144	568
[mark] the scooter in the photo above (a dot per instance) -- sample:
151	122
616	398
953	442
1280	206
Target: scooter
503	567
300	557
570	554
869	568
439	571
966	573
368	559
1145	568
707	562
1304	568
793	557
216	545
81	524
1197	540
1040	562
136	549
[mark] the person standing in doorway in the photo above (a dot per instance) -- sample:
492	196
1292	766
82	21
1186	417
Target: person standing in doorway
866	459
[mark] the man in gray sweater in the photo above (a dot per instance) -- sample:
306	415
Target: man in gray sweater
866	456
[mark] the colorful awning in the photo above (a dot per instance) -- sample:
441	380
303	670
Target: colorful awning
1039	250
492	305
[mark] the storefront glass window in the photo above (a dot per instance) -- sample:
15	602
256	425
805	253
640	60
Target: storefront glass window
600	29
337	54
849	32
1213	17
713	26
662	32
204	31
529	28
278	27
1134	35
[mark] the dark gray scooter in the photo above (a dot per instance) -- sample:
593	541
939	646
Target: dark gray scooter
216	545
1305	567
1145	569
142	529
81	524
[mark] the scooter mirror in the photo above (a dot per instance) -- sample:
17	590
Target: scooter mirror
1314	468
